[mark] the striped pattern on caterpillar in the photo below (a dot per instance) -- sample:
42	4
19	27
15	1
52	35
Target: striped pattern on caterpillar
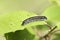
34	18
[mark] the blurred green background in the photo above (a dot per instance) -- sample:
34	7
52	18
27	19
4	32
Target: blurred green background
30	5
37	6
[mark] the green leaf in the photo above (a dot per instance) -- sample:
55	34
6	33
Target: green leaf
10	22
31	26
52	13
19	35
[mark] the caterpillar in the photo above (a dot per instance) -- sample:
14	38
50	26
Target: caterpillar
34	18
